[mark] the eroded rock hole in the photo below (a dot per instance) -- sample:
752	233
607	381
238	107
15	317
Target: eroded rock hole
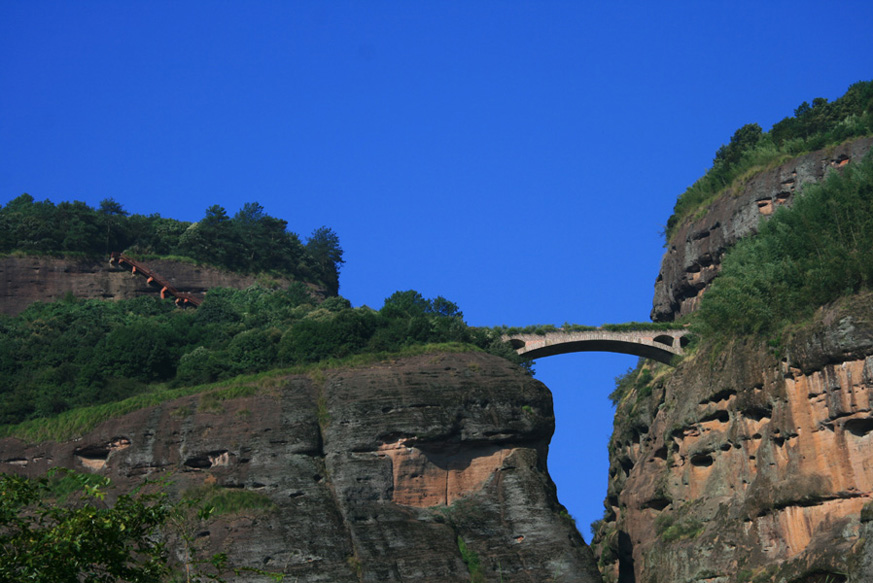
757	413
840	161
93	452
859	427
657	503
721	416
208	459
701	460
723	395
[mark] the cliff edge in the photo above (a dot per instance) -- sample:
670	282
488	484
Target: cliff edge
694	253
749	463
377	473
25	279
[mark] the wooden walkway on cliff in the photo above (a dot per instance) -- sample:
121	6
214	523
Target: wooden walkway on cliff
183	299
660	345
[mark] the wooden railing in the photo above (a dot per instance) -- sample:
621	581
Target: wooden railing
183	299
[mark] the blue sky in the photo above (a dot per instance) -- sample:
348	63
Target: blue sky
517	158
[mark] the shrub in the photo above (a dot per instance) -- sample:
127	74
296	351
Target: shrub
802	258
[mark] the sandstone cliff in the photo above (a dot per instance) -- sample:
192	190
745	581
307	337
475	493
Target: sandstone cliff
695	251
25	279
373	472
751	460
750	465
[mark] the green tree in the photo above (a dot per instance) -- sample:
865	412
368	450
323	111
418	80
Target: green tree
84	540
744	139
111	213
326	257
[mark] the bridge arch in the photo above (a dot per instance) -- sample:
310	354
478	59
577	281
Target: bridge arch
659	345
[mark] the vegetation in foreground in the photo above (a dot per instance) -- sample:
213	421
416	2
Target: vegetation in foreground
751	150
61	528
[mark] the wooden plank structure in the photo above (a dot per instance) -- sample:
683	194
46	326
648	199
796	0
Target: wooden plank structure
183	299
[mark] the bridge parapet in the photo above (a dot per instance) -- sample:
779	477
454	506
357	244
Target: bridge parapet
660	345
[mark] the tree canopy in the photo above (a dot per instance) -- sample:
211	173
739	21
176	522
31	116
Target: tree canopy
73	353
250	242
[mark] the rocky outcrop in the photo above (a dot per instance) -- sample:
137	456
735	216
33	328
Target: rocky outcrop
25	279
373	473
751	463
694	253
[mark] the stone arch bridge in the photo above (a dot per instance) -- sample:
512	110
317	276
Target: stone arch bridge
660	345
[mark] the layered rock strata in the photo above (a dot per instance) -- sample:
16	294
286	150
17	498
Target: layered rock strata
374	473
749	463
695	251
25	279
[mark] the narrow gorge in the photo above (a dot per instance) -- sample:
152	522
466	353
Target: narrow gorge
744	459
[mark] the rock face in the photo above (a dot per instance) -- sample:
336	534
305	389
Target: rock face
748	462
28	279
694	253
755	464
374	473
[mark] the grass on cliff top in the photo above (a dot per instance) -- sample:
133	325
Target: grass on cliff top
543	329
76	422
750	151
806	256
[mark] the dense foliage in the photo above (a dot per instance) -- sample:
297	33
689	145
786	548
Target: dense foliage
50	533
251	241
63	528
73	353
751	149
802	258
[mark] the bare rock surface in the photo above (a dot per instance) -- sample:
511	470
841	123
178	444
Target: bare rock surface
375	472
694	253
25	279
751	463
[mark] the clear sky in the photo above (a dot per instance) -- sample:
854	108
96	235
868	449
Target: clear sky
517	158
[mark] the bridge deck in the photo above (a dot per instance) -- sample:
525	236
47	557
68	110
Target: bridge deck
660	345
